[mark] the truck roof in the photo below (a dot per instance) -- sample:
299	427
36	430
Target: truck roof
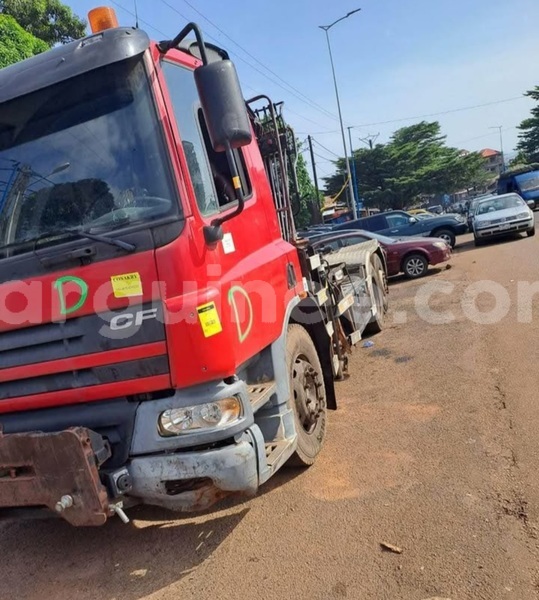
63	62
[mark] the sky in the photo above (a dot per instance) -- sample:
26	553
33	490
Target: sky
396	61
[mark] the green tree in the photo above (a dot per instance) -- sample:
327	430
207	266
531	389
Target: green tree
303	216
15	43
528	145
49	20
415	162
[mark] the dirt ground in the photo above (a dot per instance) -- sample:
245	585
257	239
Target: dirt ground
434	450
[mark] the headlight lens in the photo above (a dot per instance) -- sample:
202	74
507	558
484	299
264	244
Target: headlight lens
523	215
440	245
480	224
178	421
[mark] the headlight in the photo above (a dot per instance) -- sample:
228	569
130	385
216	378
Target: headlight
523	215
178	421
480	224
440	245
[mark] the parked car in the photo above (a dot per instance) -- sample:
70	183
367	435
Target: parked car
472	205
418	211
500	215
398	223
437	209
411	256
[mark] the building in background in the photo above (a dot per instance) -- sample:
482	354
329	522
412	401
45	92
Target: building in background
493	161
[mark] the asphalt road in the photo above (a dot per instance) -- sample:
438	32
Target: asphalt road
434	450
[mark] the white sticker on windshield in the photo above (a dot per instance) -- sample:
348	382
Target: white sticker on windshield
228	244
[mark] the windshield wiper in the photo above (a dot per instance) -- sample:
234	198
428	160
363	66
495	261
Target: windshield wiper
107	240
72	232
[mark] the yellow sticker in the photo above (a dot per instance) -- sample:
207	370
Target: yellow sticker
126	285
236	182
209	319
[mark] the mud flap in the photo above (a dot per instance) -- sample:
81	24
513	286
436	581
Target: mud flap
42	469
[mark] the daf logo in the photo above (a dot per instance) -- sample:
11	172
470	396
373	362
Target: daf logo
128	320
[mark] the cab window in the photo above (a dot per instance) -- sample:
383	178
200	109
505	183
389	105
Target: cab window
209	170
397	220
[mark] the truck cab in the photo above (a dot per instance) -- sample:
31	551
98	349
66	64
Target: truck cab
165	338
524	181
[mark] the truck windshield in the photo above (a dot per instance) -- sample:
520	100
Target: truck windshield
528	182
84	155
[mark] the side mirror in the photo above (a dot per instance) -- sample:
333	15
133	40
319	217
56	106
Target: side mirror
223	105
531	204
412	221
325	250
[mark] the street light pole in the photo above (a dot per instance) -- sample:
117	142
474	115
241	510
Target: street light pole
326	28
354	171
500	128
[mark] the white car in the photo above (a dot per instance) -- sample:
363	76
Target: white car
500	215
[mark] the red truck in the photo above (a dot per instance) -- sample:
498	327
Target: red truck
165	336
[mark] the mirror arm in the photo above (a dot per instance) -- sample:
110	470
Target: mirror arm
167	45
213	233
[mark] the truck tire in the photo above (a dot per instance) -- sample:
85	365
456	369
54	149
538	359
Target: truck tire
531	232
307	396
478	242
447	235
380	297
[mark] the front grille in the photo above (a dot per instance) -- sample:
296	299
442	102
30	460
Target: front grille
81	337
147	367
75	337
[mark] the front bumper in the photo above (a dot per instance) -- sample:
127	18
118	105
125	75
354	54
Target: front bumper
439	256
504	228
189	481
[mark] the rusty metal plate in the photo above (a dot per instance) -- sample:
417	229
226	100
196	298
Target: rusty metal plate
38	469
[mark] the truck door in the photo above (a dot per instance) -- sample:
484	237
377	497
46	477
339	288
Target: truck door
250	265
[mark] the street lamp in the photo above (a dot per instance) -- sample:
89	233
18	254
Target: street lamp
326	28
499	128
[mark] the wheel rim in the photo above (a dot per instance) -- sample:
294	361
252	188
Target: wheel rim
415	267
306	387
446	238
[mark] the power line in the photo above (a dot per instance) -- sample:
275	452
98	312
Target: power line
445	112
436	114
324	158
326	149
479	137
305	98
166	35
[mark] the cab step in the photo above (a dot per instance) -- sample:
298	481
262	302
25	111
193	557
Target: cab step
277	453
261	393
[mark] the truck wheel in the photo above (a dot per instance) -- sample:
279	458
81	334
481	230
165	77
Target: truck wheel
478	242
447	236
531	232
307	396
380	296
415	265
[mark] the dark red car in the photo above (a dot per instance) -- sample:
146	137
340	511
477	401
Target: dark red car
411	256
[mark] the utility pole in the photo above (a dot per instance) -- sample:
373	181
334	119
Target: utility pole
326	28
500	128
370	139
316	213
354	172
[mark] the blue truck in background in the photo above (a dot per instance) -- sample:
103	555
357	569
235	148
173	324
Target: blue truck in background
524	181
